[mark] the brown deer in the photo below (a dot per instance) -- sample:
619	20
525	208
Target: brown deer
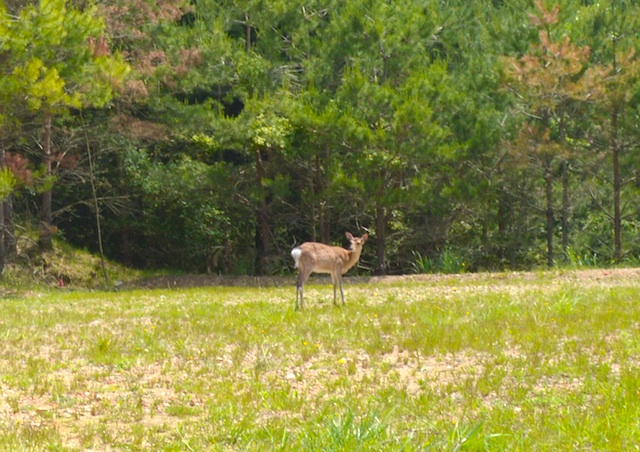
316	257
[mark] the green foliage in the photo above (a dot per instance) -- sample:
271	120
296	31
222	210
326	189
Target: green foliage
481	127
59	68
348	431
44	86
450	261
270	132
7	183
77	269
181	214
586	259
422	264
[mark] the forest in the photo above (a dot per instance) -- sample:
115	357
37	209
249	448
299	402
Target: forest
216	135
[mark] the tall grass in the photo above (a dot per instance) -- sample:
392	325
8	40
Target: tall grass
474	362
450	261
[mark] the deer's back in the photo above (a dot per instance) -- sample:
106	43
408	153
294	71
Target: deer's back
323	258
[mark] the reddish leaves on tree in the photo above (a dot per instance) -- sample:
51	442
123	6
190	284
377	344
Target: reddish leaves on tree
18	164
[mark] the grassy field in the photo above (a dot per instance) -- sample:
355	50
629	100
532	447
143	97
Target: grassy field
535	361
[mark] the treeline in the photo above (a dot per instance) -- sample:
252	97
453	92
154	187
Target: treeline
215	135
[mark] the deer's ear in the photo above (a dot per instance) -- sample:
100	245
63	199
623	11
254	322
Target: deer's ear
348	235
365	236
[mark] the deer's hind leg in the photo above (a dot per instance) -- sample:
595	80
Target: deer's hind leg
302	278
336	279
339	277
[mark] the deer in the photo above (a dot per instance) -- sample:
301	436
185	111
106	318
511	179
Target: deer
314	257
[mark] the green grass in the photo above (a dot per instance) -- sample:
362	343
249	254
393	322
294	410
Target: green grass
544	361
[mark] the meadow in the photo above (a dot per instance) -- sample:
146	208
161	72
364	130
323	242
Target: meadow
507	361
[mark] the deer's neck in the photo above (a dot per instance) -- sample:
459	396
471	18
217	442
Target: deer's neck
354	255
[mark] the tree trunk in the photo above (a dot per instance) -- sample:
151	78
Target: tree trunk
381	227
247	32
46	230
381	240
263	230
320	218
615	154
316	218
325	223
617	185
10	242
96	206
3	254
550	213
565	206
504	219
262	245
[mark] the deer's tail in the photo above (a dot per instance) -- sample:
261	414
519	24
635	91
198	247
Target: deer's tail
296	253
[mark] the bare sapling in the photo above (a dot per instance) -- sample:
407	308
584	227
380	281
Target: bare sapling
314	257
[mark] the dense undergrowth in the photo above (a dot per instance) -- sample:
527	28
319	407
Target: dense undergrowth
62	267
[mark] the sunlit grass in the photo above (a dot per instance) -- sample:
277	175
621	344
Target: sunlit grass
483	362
